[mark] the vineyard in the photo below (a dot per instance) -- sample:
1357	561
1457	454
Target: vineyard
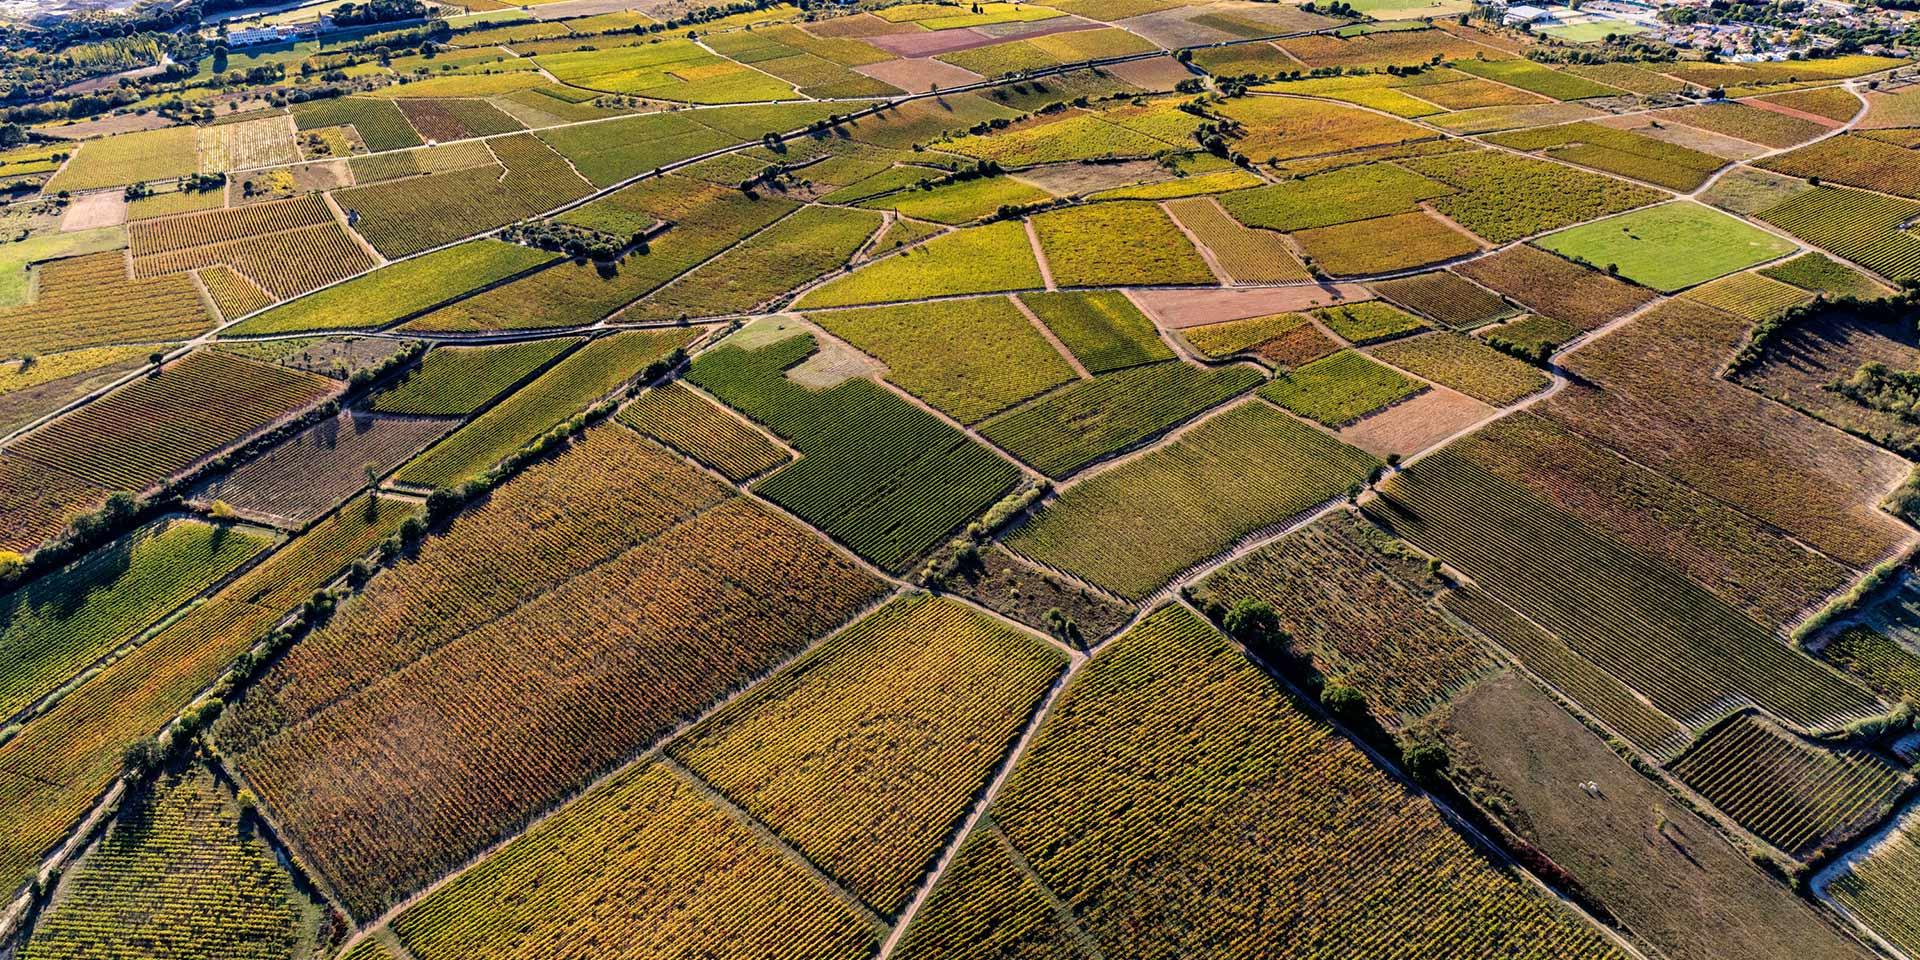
285	264
1504	197
399	290
1340	196
1445	297
1236	473
865	753
1356	603
812	242
163	424
455	381
409	216
380	123
1855	162
591	672
69	754
1091	419
1465	364
1339	389
1878	886
1693	656
1245	254
1556	287
1749	295
1866	228
177	875
58	625
1384	245
233	294
678	417
988	259
1368	321
1172	760
582	378
311	471
1796	795
1889	668
875	473
152	237
983	357
676	864
1095	245
89	300
1102	328
987	905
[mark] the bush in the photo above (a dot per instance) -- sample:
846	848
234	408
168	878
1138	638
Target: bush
1426	760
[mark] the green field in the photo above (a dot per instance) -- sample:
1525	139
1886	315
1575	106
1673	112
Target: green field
1668	247
1090	419
1339	389
1108	244
986	259
1102	328
393	293
455	381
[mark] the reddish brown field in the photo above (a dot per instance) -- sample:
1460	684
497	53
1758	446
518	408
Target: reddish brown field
1650	391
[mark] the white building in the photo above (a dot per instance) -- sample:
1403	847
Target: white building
253	35
1524	14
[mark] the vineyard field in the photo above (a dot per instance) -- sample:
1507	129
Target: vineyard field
1102	329
399	290
1688	652
456	381
405	217
1245	254
89	300
1236	473
680	418
812	242
1090	419
1465	364
163	424
566	388
1866	228
56	626
1200	765
1339	389
1446	298
899	719
876	473
1796	795
591	673
1556	288
1356	603
313	470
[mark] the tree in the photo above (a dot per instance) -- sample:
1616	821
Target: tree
1344	703
10	563
157	357
1426	760
1063	628
1253	623
140	759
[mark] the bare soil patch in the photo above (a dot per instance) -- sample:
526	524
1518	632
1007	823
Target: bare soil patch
1191	308
1705	141
94	210
106	126
1159	73
918	74
1067	179
1421	422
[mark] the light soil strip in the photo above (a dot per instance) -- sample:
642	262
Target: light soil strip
1040	255
767	835
1079	370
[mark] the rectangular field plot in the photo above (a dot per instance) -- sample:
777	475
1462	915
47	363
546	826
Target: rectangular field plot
1339	196
1744	561
594	645
968	358
1650	390
1447	298
672	70
1357	603
164	423
1798	796
1886	665
54	627
90	300
1504	197
690	880
866	752
456	381
1244	254
1816	272
399	290
813	241
1617	151
319	467
566	388
876	473
1339	389
408	216
1692	655
1669	247
1237	473
68	755
1115	244
201	885
1537	78
680	418
1102	328
1557	288
1465	364
1750	295
1385	244
1171	757
1091	419
987	259
126	158
380	124
1866	228
1855	162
